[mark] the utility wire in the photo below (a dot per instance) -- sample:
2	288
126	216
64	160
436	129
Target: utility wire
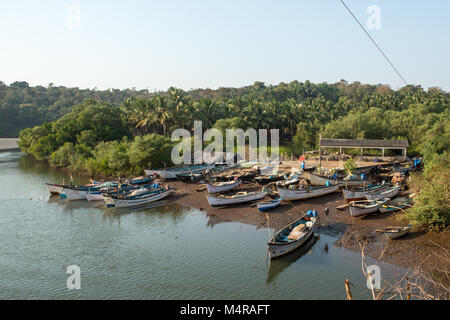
374	42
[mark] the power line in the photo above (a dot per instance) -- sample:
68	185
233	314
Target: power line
378	47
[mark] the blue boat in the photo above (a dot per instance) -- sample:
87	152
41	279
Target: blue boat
268	205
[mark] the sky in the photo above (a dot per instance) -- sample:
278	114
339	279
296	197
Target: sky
155	45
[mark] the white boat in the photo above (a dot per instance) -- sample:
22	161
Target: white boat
317	180
94	196
396	232
222	186
365	207
386	194
293	235
306	193
136	200
72	194
171	173
54	188
240	197
361	193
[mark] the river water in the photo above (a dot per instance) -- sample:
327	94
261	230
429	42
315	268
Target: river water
165	252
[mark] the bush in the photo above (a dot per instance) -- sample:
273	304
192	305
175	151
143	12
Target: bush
432	205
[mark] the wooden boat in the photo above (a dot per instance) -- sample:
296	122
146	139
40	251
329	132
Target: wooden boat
263	180
171	173
365	207
293	235
306	192
72	193
142	180
268	205
317	180
190	177
223	186
395	205
292	179
243	175
139	200
94	196
54	188
396	232
386	194
361	193
240	197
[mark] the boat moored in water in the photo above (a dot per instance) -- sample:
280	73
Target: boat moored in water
293	235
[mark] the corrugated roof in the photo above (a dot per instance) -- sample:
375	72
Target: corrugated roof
365	143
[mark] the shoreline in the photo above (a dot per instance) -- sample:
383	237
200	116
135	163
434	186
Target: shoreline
9	144
409	251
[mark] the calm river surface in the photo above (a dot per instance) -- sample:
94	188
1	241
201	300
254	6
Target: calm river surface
167	252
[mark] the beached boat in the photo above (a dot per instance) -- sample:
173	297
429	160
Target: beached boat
240	197
385	194
137	200
306	192
365	207
263	180
268	205
293	235
54	188
222	186
142	180
171	173
396	232
317	180
190	177
395	205
361	193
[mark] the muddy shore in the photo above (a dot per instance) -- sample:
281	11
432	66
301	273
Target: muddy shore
411	250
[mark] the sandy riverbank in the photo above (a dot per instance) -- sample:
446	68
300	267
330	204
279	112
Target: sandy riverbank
411	250
7	144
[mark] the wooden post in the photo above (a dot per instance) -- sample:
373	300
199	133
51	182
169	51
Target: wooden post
320	151
347	289
382	152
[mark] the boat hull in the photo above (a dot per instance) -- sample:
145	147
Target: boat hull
356	211
54	188
355	195
290	195
126	203
222	187
322	181
266	206
389	193
222	201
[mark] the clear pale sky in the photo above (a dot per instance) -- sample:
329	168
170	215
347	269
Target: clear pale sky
211	43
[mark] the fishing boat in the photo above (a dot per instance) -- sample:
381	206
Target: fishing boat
190	177
73	193
54	188
268	205
263	180
293	235
396	232
142	180
361	193
94	196
306	192
365	207
292	179
240	197
395	205
137	200
223	186
240	174
317	180
171	173
385	194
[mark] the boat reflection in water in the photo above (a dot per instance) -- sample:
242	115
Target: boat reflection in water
278	265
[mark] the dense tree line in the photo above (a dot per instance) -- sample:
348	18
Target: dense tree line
22	106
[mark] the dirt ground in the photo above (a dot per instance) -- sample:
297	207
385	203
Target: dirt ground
410	250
